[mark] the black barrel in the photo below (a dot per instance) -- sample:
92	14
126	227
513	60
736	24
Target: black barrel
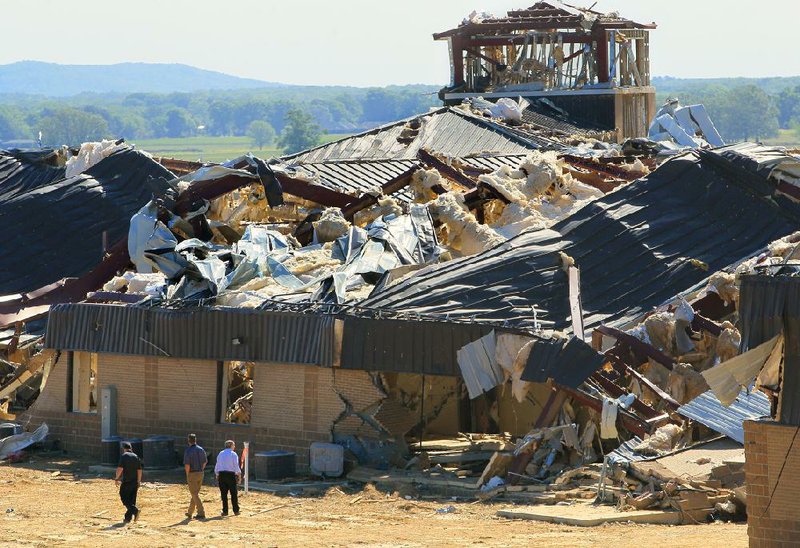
109	451
9	429
159	452
274	465
137	446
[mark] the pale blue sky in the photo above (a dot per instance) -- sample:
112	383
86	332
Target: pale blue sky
363	43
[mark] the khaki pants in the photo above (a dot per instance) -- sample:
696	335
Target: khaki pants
195	481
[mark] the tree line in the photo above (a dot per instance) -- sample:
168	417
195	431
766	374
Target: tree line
295	118
261	114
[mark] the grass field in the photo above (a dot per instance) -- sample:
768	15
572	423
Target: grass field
210	149
219	149
785	137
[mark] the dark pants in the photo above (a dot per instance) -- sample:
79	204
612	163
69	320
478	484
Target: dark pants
227	483
127	494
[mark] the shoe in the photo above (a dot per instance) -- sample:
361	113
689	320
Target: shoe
126	520
136	516
189	515
236	512
200	516
224	513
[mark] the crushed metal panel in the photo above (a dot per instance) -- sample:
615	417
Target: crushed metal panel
480	370
709	411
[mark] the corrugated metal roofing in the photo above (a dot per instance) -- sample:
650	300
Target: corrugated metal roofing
447	131
193	333
493	162
58	224
636	247
358	177
707	410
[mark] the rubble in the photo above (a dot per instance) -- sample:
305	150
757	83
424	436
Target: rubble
484	301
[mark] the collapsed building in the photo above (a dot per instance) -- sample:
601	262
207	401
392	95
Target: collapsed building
571	303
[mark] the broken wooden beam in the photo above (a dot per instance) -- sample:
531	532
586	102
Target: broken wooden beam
450	172
388	188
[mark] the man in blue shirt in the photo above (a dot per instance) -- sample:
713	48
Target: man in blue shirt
194	462
228	475
128	479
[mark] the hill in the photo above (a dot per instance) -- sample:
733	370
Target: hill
55	80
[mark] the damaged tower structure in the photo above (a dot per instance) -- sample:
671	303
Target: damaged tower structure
593	65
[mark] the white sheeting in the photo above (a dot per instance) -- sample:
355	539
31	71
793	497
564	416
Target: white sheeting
18	442
727	379
479	367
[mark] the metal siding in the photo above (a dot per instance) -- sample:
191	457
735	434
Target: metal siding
408	346
202	333
707	410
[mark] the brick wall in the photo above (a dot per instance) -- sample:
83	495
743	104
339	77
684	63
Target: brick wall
772	472
293	405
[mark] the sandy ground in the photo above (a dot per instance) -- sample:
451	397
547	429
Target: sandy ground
58	501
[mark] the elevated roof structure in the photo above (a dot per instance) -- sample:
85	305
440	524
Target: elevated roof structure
584	60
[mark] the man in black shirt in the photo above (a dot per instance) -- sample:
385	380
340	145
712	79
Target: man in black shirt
129	478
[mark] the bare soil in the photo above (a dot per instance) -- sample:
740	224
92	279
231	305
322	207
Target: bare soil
56	501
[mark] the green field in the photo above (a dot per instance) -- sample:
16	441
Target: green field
210	149
785	137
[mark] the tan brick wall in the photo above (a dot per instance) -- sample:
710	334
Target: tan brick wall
293	405
127	374
54	397
187	390
773	515
278	391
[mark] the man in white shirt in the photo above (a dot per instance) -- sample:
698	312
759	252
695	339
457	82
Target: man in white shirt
228	475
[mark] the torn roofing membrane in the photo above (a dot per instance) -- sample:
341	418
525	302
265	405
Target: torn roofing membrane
635	247
59	223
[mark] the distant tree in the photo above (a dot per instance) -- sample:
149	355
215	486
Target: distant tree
179	123
795	125
221	116
12	124
299	133
261	133
70	126
748	113
788	106
379	105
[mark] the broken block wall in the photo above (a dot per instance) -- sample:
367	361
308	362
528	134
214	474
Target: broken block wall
293	405
772	475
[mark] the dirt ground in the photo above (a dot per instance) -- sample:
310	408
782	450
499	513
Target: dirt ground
58	501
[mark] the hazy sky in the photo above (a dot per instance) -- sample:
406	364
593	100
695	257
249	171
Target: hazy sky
363	43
